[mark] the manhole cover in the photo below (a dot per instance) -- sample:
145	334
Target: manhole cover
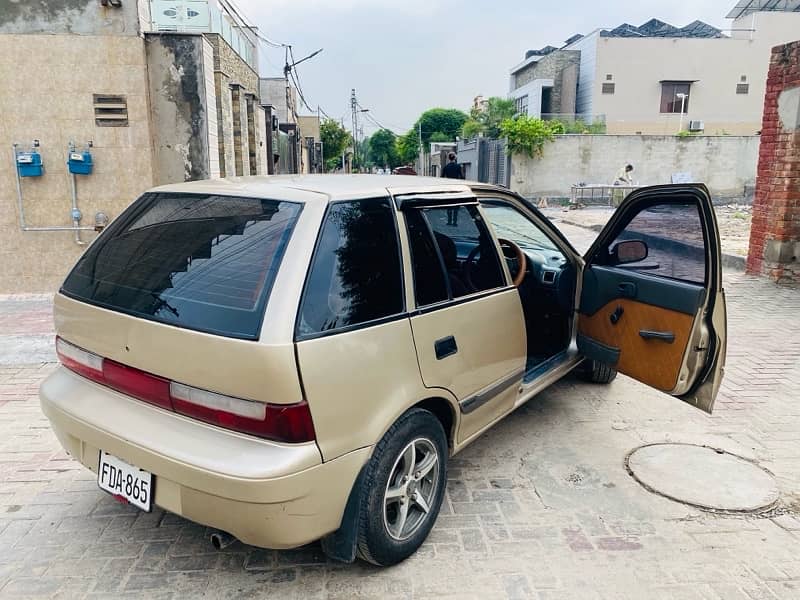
703	477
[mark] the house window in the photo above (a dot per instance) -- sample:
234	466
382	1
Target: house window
609	77
672	96
608	88
521	105
742	88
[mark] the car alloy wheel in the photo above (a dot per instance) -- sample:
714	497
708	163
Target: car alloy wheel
403	489
411	488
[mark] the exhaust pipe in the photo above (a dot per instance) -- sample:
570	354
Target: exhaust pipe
221	539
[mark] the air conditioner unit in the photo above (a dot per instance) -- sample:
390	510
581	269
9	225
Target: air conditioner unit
696	126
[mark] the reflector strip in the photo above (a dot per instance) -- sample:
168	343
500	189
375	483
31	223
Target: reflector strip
280	422
236	406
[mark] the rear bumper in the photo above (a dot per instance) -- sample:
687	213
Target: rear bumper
265	493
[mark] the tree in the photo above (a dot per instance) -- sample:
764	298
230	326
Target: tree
383	149
335	139
528	135
487	122
447	122
407	147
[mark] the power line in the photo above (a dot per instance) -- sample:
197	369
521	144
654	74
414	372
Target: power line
244	23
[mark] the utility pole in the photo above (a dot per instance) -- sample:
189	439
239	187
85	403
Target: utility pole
354	110
421	152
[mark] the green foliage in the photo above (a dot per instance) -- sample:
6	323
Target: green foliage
528	135
581	126
334	141
383	149
436	125
407	147
487	122
444	121
686	134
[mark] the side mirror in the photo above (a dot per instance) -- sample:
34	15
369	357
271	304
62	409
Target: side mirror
628	251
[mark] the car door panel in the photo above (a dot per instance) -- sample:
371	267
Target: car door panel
603	284
652	361
468	327
663	324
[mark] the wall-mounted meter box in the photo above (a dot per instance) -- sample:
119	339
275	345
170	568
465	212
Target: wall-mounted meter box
80	163
29	164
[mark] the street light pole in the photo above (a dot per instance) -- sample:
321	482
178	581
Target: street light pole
682	96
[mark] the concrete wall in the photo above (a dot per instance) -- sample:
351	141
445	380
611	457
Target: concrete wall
69	16
726	164
179	107
716	66
52	100
273	91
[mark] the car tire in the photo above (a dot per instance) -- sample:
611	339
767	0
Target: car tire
393	521
597	372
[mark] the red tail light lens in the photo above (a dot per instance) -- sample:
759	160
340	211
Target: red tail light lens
136	383
79	360
280	422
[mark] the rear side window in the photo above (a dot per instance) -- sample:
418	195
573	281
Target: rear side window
355	274
430	285
198	261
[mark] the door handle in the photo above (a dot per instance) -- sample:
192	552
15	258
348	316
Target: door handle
445	347
627	289
616	315
664	336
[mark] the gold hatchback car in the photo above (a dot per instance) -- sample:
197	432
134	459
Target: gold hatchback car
288	359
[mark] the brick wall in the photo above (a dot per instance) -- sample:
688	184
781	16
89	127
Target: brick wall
775	232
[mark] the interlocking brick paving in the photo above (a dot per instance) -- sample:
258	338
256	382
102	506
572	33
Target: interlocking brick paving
539	507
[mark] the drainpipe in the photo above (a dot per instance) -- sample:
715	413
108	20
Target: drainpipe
75	222
76	214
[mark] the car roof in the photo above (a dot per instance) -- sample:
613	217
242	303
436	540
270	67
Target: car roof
319	188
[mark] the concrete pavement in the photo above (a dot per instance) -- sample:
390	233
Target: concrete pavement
541	506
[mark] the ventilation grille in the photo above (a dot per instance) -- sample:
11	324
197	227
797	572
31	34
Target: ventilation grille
110	111
742	88
608	88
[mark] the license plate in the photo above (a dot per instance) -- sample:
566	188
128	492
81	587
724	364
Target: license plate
125	482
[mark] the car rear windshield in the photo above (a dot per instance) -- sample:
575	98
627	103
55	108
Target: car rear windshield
202	262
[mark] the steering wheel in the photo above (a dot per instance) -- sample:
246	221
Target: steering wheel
511	252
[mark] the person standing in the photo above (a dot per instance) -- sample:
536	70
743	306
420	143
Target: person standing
452	170
623	177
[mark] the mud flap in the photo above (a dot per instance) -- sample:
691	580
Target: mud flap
341	544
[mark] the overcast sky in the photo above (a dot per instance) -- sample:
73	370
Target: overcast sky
409	55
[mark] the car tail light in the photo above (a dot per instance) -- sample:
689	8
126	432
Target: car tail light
280	422
136	383
79	360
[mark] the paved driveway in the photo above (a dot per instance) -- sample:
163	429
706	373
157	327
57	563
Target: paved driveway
539	507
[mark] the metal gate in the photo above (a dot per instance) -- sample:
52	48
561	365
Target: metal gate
495	164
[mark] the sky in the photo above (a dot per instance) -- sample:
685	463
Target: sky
406	56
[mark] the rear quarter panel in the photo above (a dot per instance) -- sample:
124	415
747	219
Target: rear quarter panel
358	383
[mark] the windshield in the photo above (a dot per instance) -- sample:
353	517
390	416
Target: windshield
511	224
203	262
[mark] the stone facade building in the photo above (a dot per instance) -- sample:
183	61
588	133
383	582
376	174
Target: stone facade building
161	97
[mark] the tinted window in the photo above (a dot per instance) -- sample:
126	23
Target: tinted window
468	251
197	261
355	275
430	285
674	237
